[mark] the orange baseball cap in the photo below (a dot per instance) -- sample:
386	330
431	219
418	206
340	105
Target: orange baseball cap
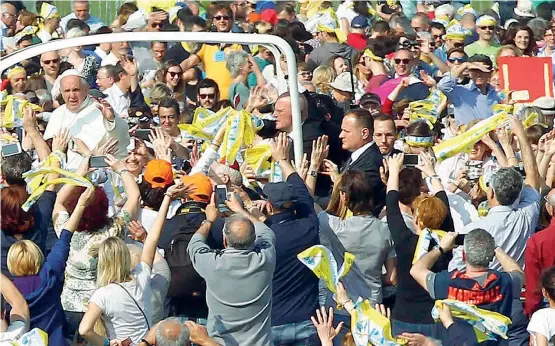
159	173
202	184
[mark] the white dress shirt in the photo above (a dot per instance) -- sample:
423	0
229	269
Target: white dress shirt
110	59
118	100
511	226
101	54
355	155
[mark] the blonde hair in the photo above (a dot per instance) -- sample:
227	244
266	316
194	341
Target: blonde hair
24	258
321	77
114	262
160	91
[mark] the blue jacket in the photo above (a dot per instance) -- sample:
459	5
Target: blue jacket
294	286
43	292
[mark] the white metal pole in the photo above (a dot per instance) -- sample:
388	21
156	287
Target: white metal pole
201	37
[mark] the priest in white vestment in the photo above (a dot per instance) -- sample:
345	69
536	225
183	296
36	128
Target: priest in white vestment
91	122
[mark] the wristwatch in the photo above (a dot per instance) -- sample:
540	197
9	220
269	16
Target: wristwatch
313	173
205	221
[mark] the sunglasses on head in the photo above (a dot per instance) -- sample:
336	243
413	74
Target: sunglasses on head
488	27
173	74
404	61
53	61
459	60
221	18
205	96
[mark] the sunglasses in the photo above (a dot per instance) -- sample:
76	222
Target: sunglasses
459	60
221	18
410	44
404	61
157	25
206	96
173	74
458	44
488	27
53	61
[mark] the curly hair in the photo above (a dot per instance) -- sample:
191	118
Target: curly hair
14	219
95	216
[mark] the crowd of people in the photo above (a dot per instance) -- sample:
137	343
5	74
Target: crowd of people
122	226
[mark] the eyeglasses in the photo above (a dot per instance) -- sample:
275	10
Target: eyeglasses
488	27
221	17
53	61
173	74
459	60
404	61
458	44
206	96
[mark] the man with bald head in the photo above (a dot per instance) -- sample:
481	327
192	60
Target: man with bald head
313	125
539	255
50	64
238	278
7	21
91	122
81	9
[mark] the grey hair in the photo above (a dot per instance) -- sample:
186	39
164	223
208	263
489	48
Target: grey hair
236	60
239	239
75	32
479	247
234	175
538	26
403	22
14	166
525	112
162	339
507	184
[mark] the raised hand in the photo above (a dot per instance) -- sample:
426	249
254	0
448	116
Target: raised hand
161	144
136	231
324	325
108	147
279	146
106	110
60	141
320	149
129	65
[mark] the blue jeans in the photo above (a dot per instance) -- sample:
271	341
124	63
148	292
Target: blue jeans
295	334
435	331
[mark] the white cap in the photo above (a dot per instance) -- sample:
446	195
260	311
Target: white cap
343	82
57	83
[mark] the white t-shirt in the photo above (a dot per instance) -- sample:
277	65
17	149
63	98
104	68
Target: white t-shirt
543	322
121	315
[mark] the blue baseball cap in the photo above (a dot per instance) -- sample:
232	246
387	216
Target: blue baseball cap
360	22
279	193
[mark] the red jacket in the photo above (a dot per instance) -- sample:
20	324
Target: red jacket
357	41
539	255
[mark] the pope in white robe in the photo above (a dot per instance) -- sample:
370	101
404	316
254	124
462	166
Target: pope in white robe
91	122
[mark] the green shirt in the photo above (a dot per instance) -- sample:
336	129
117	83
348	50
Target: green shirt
478	48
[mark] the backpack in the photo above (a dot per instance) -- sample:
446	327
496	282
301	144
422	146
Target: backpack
185	281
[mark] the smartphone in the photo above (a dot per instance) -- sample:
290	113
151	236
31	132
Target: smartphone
460	239
142	134
11	149
98	162
221	197
411	160
520	95
126	342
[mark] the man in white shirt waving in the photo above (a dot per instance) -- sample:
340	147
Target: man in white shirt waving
91	122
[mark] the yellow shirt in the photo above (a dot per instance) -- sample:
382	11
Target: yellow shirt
147	5
214	60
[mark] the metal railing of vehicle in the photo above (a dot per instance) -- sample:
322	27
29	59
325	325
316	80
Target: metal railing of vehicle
277	45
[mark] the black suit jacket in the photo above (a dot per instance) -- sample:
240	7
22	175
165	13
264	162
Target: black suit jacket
370	162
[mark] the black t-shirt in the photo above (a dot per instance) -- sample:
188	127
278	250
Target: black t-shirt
177	53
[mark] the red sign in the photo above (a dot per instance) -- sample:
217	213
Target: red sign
528	78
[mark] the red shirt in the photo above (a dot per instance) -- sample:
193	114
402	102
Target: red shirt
357	41
539	255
